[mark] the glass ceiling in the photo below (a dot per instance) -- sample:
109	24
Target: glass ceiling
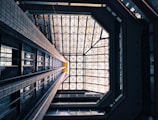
85	44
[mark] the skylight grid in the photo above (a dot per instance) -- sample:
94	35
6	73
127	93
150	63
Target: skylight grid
86	45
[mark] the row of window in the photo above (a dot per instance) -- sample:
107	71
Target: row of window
30	60
44	61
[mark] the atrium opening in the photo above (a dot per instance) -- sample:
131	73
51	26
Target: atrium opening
78	59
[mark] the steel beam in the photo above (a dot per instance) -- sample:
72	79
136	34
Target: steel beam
57	9
71	1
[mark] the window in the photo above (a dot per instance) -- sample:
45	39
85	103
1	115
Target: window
5	56
28	59
40	61
47	62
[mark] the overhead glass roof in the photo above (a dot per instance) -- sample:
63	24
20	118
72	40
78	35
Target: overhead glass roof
85	44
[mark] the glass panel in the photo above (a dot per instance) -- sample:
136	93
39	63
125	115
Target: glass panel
79	65
91	80
65	30
65	20
79	79
73	58
73	72
79	72
105	34
103	89
102	43
73	79
103	81
73	65
72	86
80	58
82	20
91	65
66	86
90	22
79	86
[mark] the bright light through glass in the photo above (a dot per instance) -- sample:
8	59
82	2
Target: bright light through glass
86	46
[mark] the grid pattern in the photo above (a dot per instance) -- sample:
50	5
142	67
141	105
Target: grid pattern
85	44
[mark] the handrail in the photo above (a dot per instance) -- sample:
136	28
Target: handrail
13	87
41	108
5	81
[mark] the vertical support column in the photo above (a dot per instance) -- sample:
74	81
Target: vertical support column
22	58
0	52
117	60
44	59
35	61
